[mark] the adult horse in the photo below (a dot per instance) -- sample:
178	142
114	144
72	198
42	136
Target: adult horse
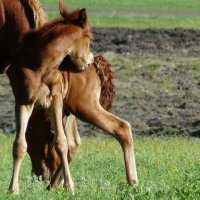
36	80
90	94
16	18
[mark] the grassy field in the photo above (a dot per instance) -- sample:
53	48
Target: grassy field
147	5
168	168
136	14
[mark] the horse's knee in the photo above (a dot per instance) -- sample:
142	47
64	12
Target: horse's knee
19	148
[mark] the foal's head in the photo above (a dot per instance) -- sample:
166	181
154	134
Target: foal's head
77	22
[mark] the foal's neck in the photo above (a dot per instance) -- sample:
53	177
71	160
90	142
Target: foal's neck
54	53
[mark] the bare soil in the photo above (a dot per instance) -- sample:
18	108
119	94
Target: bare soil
158	80
125	41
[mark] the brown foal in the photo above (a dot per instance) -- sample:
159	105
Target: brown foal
90	94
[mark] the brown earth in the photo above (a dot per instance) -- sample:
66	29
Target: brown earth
158	85
125	41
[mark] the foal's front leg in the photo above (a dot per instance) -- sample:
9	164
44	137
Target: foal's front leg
74	141
23	113
60	139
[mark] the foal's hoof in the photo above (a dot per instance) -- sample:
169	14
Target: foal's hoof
133	182
14	191
70	189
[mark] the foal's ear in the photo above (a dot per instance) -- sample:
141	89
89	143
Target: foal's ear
64	11
82	18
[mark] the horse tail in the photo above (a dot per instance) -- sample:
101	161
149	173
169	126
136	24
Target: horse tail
107	79
39	15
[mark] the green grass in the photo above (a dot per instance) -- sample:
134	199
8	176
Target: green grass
141	22
144	22
146	5
168	168
137	13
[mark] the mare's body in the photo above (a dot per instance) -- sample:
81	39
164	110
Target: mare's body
16	18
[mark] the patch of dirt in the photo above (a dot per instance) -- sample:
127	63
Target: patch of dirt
125	41
158	85
161	100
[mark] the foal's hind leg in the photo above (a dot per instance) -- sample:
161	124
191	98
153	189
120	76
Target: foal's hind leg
118	128
19	146
60	139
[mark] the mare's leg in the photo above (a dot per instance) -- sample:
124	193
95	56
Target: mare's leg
74	141
22	113
60	139
118	128
73	137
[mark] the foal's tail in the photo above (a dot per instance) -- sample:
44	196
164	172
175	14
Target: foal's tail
107	78
39	15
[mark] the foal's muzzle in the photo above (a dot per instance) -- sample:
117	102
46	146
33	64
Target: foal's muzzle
89	61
